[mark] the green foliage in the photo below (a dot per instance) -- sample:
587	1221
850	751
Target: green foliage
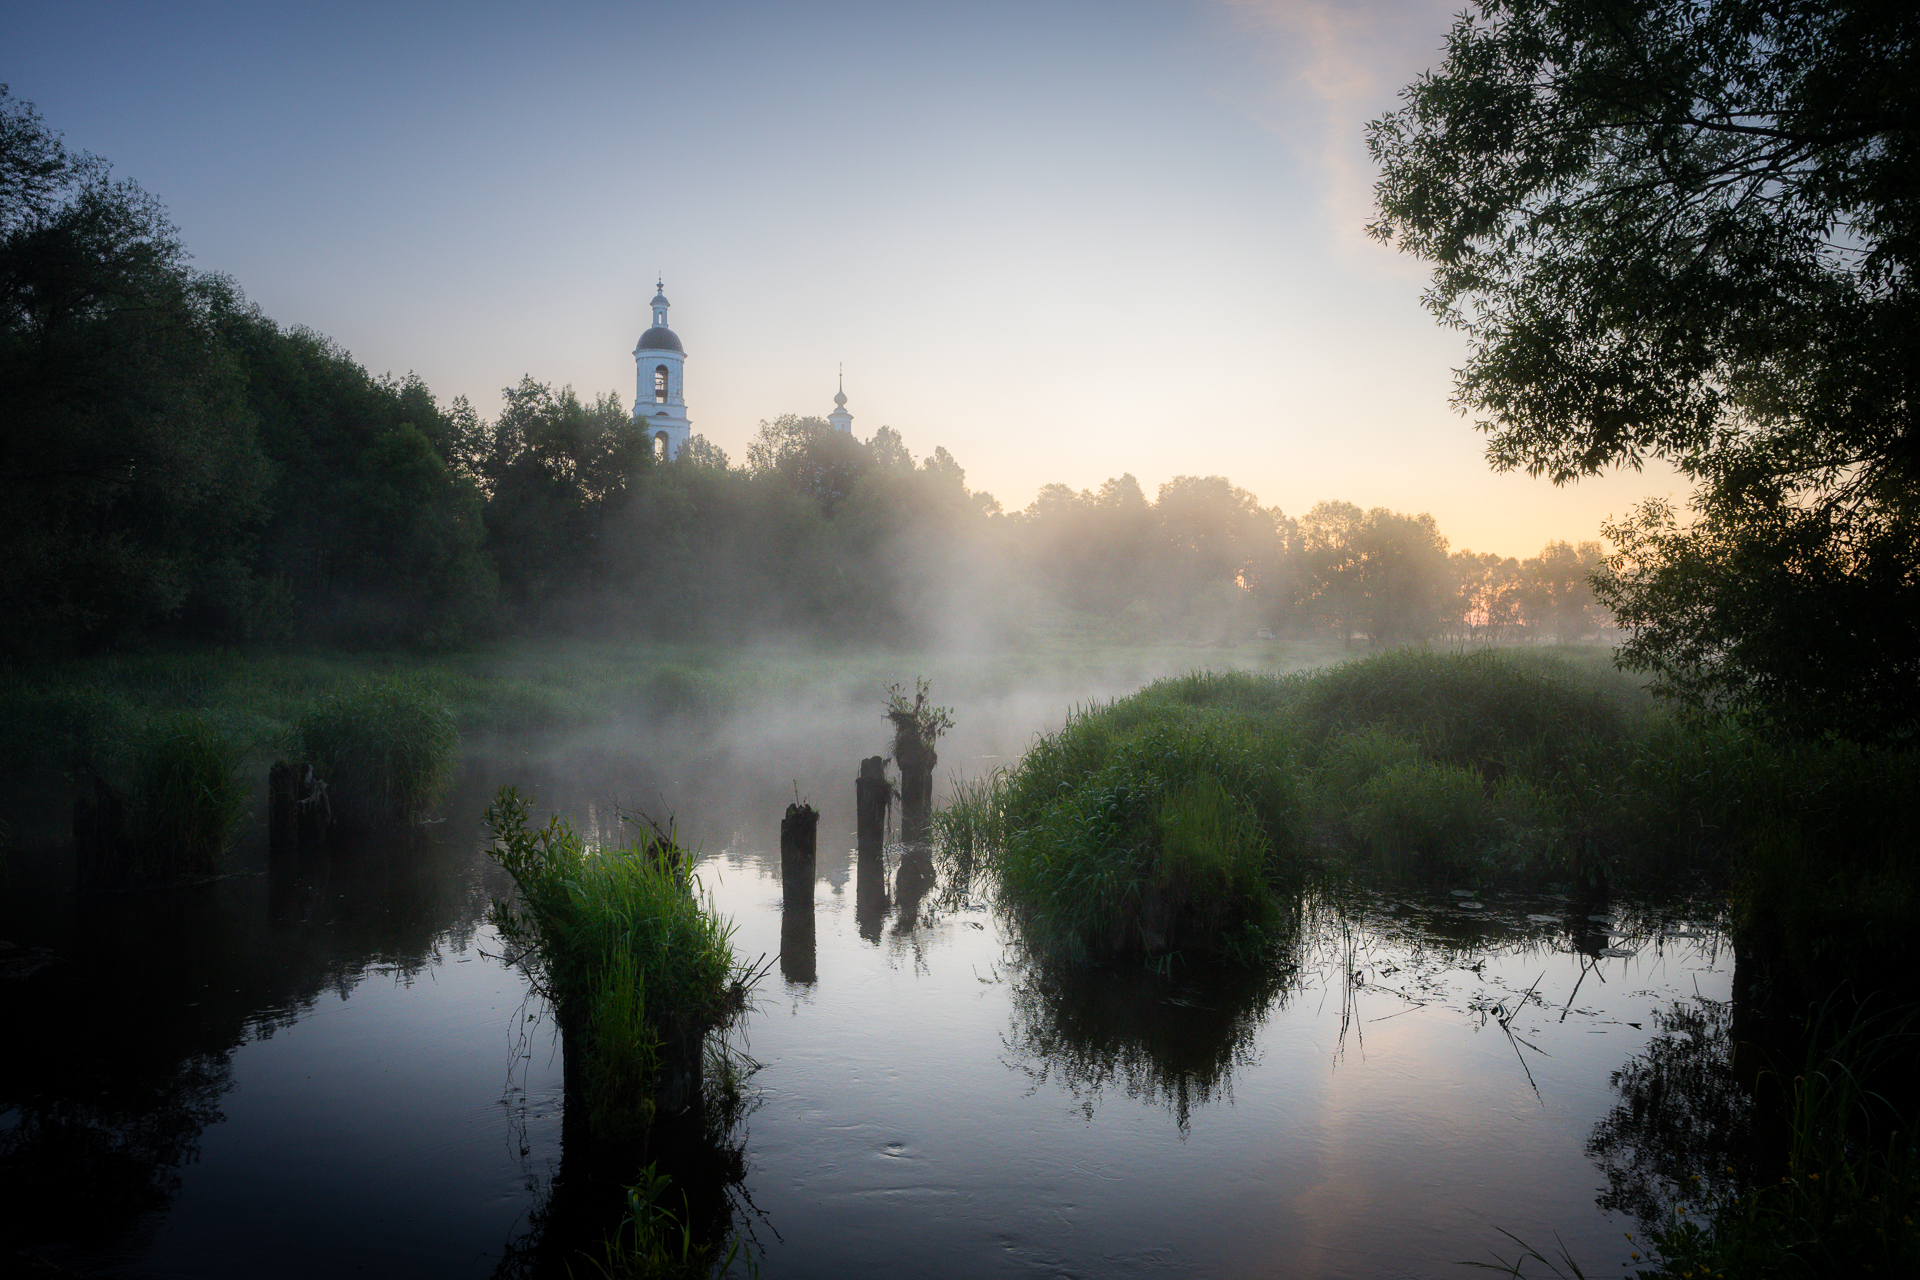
188	798
917	723
654	1243
1167	837
1683	231
559	474
1849	1201
386	748
373	535
623	1047
1424	813
1484	768
620	943
132	471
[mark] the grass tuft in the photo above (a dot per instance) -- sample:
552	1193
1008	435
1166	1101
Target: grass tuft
386	748
637	965
188	798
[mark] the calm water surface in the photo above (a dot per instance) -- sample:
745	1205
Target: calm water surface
329	1073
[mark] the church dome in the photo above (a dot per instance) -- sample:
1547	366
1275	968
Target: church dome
660	338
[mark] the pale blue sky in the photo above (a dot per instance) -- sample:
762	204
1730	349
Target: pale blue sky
1063	240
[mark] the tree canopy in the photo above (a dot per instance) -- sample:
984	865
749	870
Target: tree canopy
1685	230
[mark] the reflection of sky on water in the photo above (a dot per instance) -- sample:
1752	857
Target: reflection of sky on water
1422	1078
329	1056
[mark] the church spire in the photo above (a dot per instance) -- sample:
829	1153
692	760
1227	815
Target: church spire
840	419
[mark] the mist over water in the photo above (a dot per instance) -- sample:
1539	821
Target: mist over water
334	1051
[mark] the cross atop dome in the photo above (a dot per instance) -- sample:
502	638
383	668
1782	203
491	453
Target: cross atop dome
659	397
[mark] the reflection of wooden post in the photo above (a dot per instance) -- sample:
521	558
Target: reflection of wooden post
872	796
798	962
798	831
283	807
870	895
915	878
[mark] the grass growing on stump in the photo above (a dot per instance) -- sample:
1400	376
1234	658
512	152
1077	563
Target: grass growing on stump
917	725
638	968
386	749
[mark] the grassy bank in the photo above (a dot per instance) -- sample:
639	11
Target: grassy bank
69	713
1165	820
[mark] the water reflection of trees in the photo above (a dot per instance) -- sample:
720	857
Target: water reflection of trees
1173	1041
1682	1128
119	1054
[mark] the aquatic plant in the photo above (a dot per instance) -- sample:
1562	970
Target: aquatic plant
187	800
386	748
639	969
654	1243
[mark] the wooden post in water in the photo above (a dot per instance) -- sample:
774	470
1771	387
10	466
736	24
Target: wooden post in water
297	807
798	831
872	797
101	849
283	807
916	789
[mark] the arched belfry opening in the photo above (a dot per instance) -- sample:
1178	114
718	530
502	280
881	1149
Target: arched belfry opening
659	395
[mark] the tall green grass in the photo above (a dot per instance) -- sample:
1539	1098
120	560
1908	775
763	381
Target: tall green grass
638	967
187	799
1489	769
386	749
1160	836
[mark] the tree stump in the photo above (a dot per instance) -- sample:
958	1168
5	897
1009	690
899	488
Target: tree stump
103	851
873	796
798	832
916	759
298	810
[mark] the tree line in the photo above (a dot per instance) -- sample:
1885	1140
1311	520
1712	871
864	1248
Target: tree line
184	469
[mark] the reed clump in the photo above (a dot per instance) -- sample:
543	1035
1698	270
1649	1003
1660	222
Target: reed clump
1490	769
1169	837
187	799
386	748
638	967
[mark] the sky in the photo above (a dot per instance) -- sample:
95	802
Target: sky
1063	240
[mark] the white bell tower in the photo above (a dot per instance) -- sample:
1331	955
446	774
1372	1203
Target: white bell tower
840	420
659	394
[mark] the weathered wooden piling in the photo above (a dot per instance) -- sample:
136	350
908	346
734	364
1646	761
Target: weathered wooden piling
298	811
916	759
798	832
103	851
872	797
